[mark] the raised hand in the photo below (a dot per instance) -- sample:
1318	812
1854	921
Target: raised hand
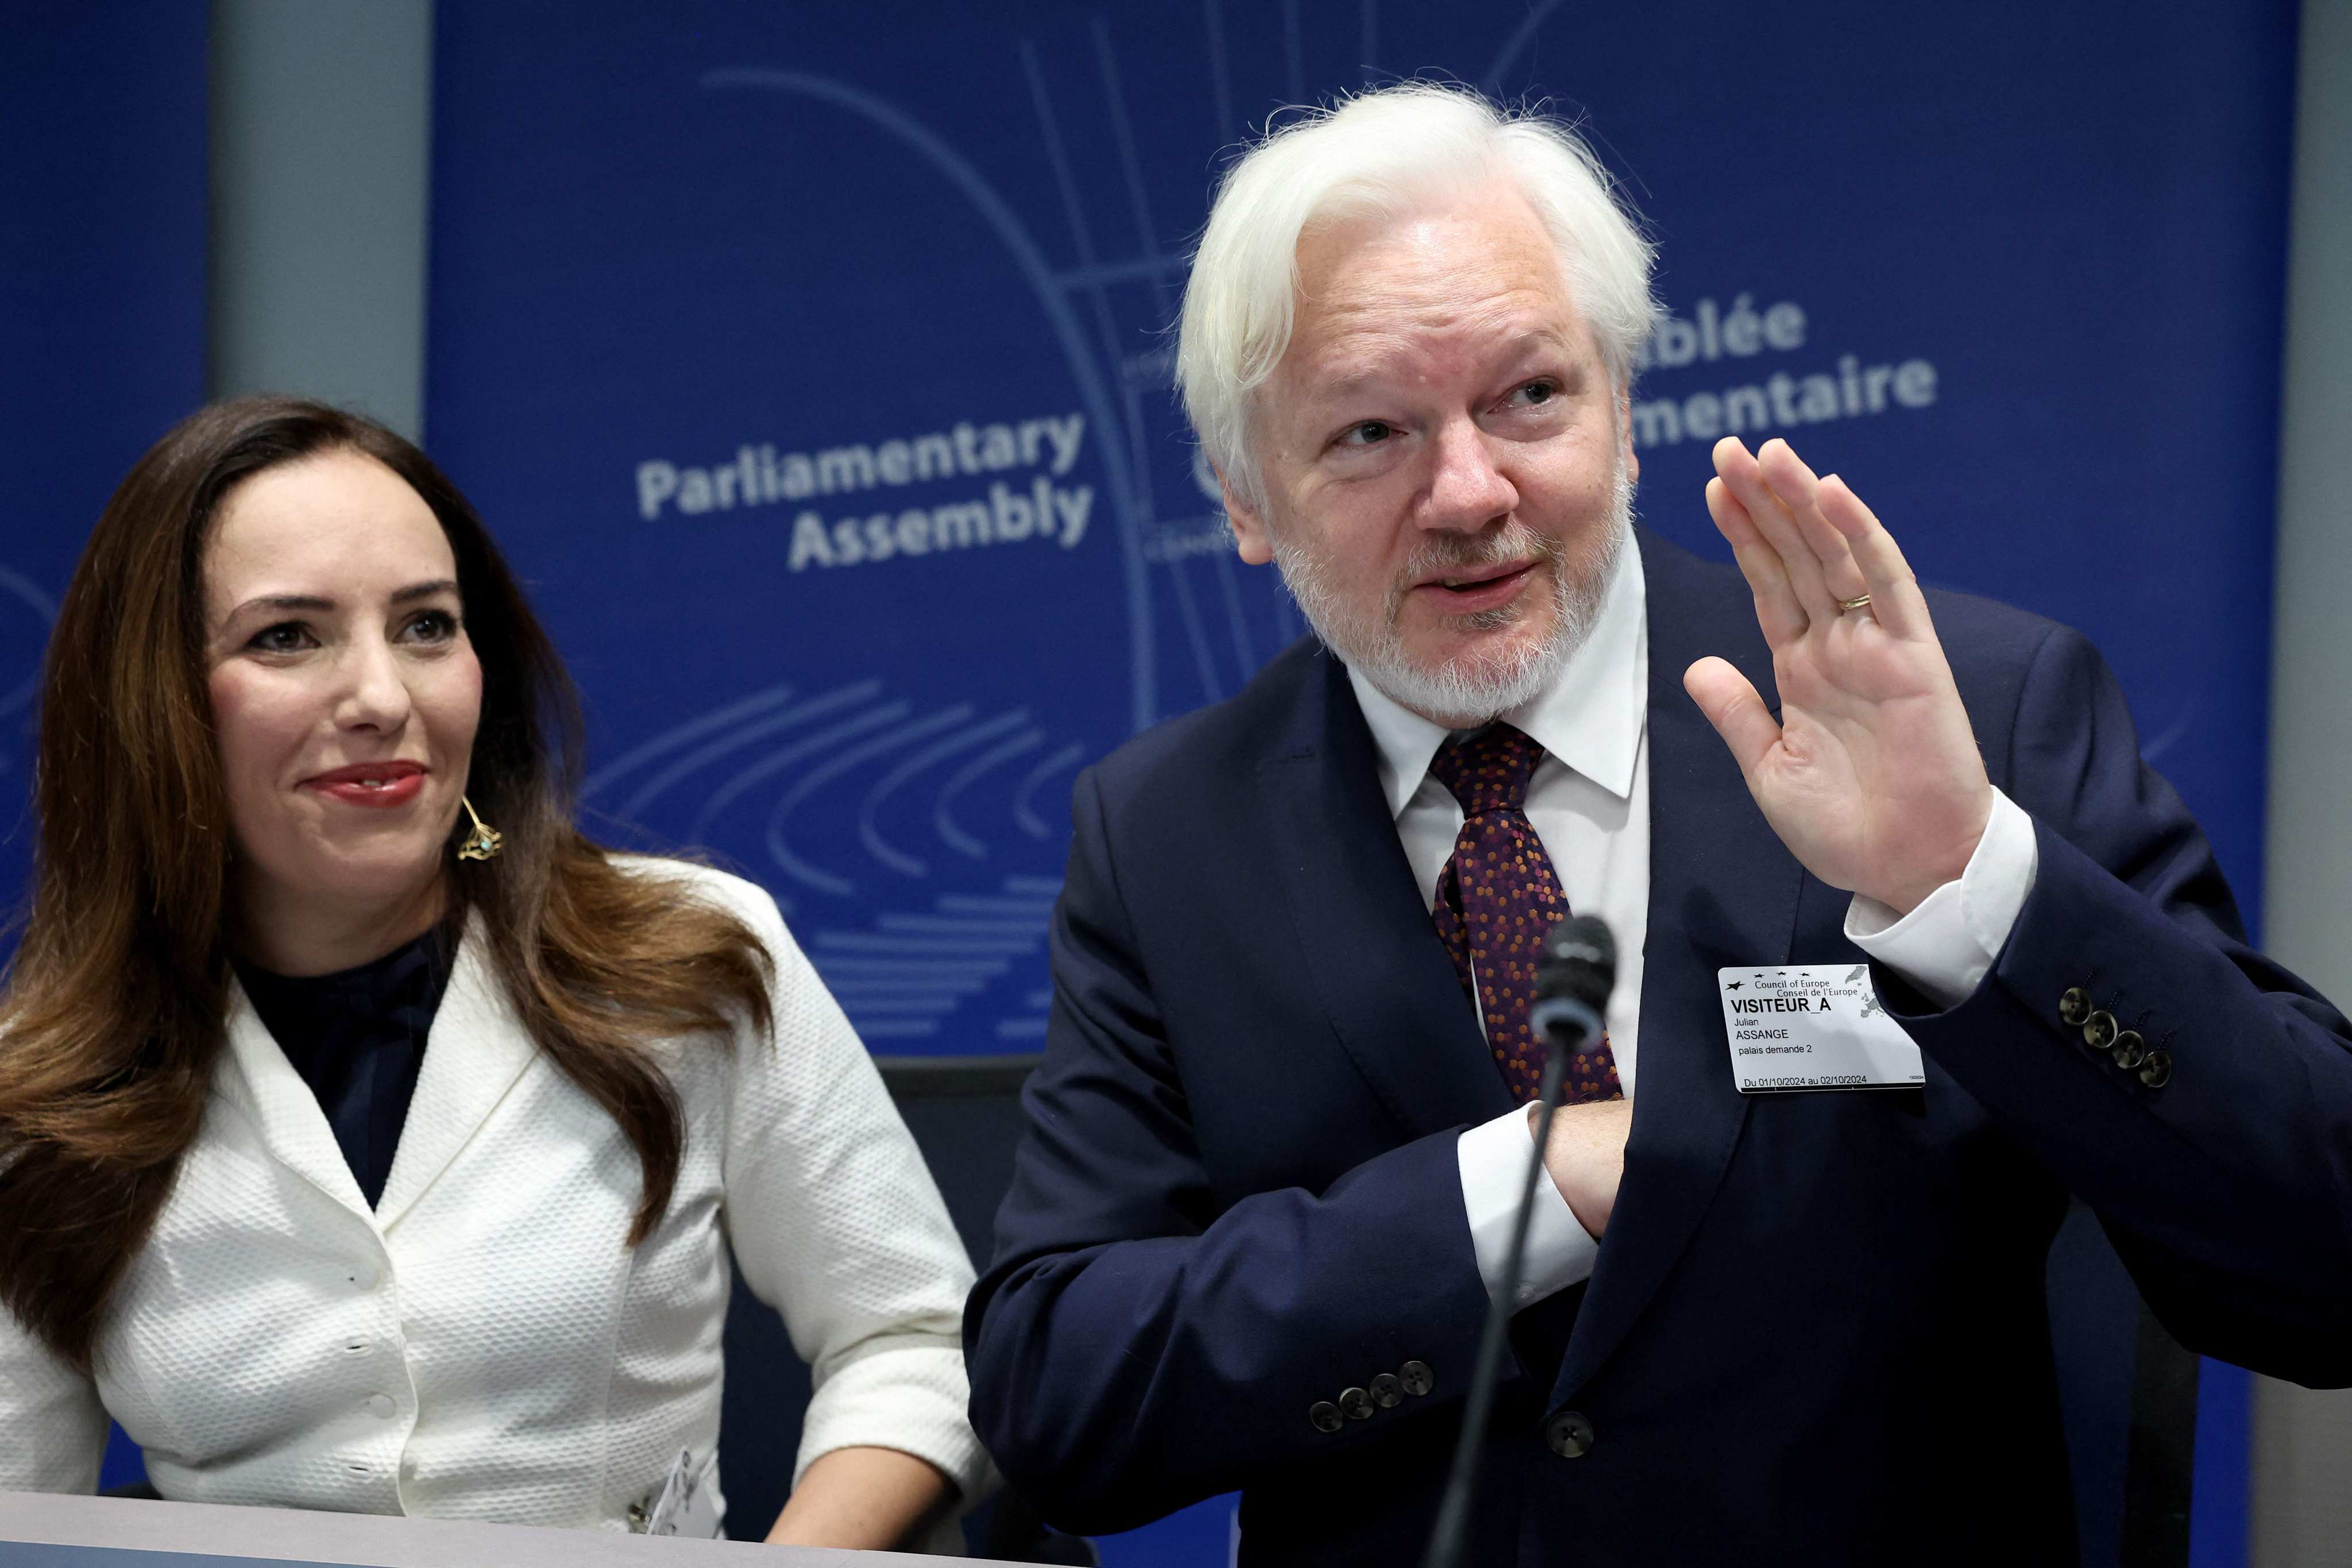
1872	776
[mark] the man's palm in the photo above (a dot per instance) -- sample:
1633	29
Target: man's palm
1871	775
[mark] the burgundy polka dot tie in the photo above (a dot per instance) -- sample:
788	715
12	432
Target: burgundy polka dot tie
1496	900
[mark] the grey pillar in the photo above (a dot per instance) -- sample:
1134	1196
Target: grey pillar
2302	1505
321	122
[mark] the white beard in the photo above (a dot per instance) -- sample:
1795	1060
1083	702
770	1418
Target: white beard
1481	686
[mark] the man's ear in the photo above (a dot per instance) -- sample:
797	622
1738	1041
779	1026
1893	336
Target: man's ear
1250	536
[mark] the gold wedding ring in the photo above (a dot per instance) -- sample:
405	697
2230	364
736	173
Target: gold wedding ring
1860	601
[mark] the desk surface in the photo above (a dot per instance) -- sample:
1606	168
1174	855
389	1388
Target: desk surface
44	1530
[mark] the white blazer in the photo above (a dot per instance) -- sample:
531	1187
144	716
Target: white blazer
483	1345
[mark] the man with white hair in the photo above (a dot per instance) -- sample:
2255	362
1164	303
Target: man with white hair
1275	1135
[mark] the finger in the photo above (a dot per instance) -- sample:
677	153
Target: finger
1745	477
1729	701
1895	596
1776	609
1793	483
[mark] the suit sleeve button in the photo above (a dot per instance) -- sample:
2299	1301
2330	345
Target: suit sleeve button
1569	1435
1416	1377
2155	1071
1355	1405
2074	1005
2128	1051
1387	1392
2099	1030
1325	1416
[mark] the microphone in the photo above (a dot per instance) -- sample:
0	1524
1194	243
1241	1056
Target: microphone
1574	974
1573	979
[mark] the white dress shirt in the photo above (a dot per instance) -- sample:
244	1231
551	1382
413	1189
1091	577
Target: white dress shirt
1589	802
482	1344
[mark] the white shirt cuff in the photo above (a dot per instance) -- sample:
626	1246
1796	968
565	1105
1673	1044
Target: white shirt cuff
1494	1161
1945	946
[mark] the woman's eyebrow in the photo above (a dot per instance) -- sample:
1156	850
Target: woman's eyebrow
312	602
283	601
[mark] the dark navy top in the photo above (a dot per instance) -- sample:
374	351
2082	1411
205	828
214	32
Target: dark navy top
358	1038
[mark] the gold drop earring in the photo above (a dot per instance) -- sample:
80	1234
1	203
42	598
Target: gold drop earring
485	843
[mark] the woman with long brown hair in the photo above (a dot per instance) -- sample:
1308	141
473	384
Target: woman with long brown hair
370	1139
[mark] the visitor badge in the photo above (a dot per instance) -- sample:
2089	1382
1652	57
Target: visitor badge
1813	1025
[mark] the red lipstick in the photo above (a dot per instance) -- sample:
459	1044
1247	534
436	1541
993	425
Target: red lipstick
379	785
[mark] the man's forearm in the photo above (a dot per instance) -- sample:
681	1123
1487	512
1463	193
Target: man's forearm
1097	1369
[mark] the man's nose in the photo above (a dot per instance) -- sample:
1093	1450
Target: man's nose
375	696
1466	489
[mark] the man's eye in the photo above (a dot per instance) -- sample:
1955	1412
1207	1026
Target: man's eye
1539	393
1372	432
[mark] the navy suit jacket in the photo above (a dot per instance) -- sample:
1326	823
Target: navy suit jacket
1816	1329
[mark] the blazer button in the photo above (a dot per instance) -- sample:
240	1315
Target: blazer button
2075	1006
2156	1071
1569	1435
1355	1405
1387	1392
2128	1051
1325	1416
381	1406
2099	1030
1416	1377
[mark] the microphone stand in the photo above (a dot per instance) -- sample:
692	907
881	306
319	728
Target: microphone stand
1565	1026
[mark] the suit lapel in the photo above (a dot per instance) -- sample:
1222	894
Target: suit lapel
264	1084
1723	892
477	1050
1378	969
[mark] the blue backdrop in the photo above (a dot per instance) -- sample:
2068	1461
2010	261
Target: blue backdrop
812	363
813	366
102	334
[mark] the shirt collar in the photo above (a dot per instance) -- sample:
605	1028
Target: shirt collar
1590	717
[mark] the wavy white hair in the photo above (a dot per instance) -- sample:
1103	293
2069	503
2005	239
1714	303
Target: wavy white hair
1382	154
